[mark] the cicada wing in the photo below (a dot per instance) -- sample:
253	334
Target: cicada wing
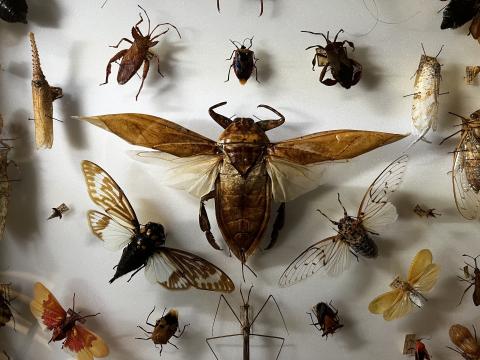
178	270
375	209
467	199
114	235
290	180
400	308
333	254
427	279
331	145
84	344
418	265
155	133
194	174
384	301
105	192
46	308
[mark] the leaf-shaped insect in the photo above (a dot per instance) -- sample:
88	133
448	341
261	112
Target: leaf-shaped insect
335	253
242	171
5	305
422	277
144	245
81	342
467	345
459	12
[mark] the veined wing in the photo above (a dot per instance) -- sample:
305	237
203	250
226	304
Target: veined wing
46	308
105	192
84	344
114	235
333	254
179	270
375	209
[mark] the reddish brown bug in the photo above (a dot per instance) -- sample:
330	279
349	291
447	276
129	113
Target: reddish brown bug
421	352
164	329
467	345
472	279
328	321
244	61
261	7
137	54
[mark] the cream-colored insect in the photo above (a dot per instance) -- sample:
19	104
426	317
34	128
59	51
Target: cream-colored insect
471	73
43	97
425	96
422	277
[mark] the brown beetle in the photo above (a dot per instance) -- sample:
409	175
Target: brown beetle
472	279
333	56
242	171
467	345
137	54
328	321
261	7
243	63
164	329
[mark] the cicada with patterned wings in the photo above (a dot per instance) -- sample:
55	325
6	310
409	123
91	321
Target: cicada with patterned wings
422	277
144	245
335	253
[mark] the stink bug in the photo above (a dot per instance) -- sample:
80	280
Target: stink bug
244	61
327	318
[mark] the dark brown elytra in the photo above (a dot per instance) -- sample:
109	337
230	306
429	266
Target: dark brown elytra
261	7
246	324
13	11
164	329
333	56
138	53
328	321
244	61
472	279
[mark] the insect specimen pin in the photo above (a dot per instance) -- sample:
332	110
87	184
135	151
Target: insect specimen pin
139	53
164	329
14	11
466	344
328	321
244	61
43	96
58	211
334	57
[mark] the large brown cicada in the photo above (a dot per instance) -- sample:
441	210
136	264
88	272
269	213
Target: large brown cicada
242	171
466	167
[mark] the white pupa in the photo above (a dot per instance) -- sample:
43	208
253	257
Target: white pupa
425	96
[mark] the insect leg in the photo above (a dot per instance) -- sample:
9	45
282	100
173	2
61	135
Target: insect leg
263	306
317	325
118	56
468	288
175	346
277	226
148	317
261	8
135	273
328	82
218	5
349	44
122	39
229	70
181	332
204	222
272	337
158	62
146	66
218	337
231	56
146	332
218	306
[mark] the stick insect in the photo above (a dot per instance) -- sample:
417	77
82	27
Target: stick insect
246	325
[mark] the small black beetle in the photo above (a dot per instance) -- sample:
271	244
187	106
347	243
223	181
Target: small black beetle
244	61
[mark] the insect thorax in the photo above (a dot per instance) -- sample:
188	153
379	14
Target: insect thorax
357	237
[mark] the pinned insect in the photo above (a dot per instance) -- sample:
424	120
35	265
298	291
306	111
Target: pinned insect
5	304
14	11
335	253
65	325
421	352
242	171
426	213
422	277
58	211
466	167
139	53
144	245
246	324
4	180
244	61
472	280
459	12
471	72
43	97
333	56
466	344
164	329
328	321
261	7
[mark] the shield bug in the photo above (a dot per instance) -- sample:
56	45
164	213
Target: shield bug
14	11
472	280
139	53
422	277
466	167
66	325
328	321
335	253
426	213
261	7
59	211
333	56
43	96
5	304
242	171
459	12
244	61
164	329
144	245
246	331
466	344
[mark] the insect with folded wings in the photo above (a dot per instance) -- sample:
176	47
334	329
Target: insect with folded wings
422	277
64	325
421	352
261	7
459	12
328	321
244	61
242	171
335	253
467	344
466	167
471	279
144	245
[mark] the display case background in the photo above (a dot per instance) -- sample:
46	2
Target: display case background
72	37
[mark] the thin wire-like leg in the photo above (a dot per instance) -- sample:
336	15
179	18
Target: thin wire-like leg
272	337
263	306
230	307
218	337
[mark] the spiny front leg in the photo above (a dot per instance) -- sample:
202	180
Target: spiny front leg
204	222
118	56
277	226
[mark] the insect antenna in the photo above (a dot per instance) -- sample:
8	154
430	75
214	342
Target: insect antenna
87	316
456	350
251	41
244	265
473	258
441	48
148	18
315	33
234	43
424	53
166	23
336	36
326	216
343	207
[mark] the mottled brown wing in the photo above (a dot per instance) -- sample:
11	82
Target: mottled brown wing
179	270
331	145
131	62
155	133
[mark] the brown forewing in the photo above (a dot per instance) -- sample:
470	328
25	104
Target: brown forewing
463	339
131	62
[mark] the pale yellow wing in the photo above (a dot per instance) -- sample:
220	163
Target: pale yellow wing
419	264
400	308
427	280
384	302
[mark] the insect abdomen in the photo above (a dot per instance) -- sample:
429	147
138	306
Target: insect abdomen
472	162
365	247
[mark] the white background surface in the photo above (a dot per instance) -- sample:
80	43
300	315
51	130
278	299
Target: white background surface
72	37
